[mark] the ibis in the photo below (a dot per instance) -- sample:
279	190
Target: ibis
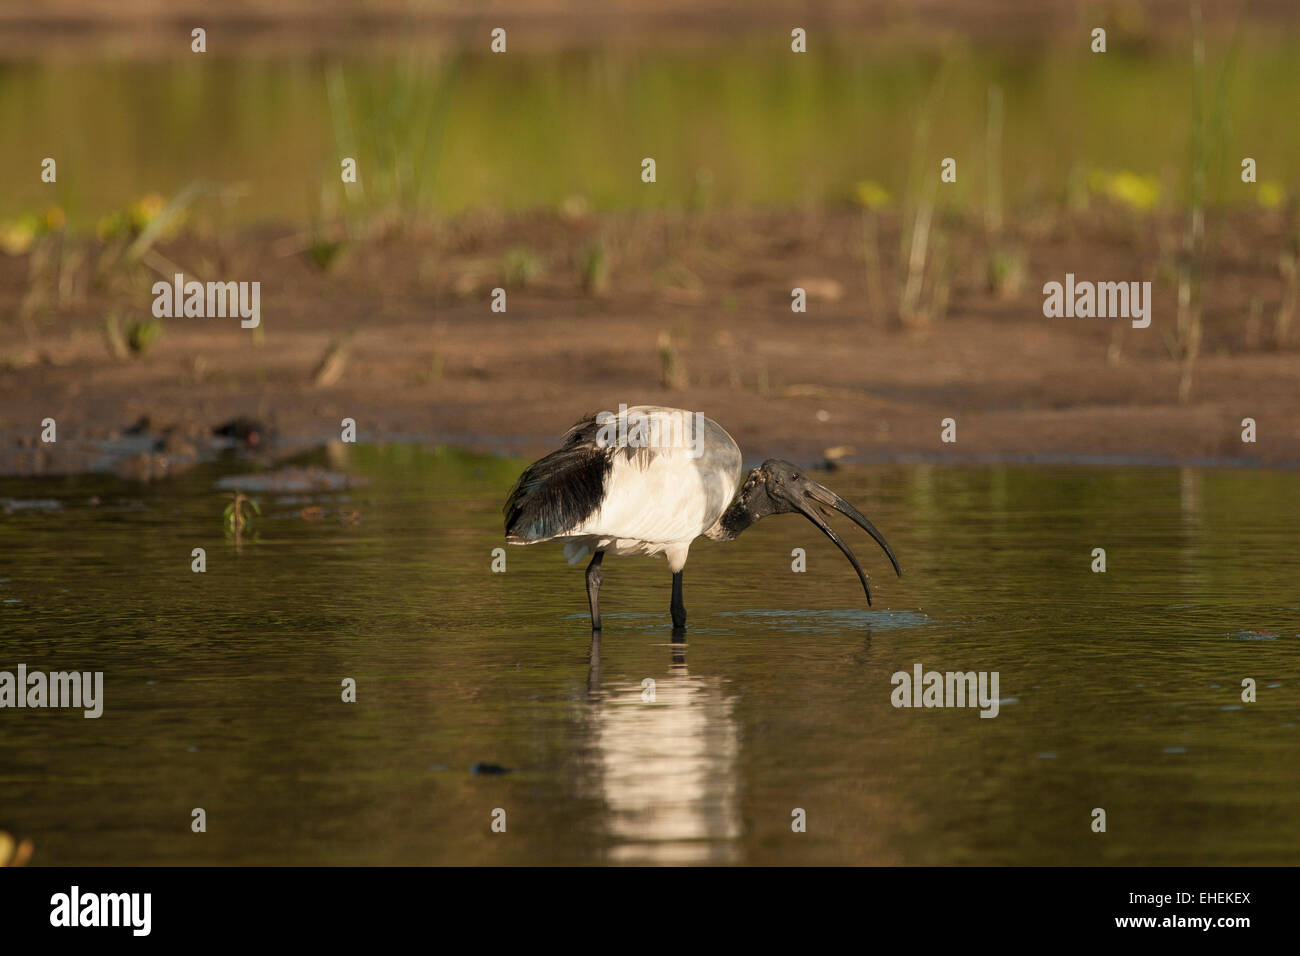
650	480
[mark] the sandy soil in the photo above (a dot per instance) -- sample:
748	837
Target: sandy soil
423	356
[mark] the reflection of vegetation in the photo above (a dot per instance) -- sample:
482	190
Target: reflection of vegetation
239	512
14	853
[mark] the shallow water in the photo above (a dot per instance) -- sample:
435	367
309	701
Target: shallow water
1119	690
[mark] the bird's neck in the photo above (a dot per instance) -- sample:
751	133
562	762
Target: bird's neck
734	520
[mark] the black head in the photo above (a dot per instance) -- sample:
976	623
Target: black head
778	487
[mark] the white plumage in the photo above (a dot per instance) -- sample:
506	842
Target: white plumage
659	499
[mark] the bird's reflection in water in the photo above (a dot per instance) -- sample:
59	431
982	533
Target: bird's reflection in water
666	769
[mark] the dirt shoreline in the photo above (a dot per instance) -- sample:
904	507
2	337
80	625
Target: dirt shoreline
685	310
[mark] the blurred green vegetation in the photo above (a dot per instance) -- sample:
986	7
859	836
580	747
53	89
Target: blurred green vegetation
438	135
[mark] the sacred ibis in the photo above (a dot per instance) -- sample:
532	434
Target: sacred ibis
650	480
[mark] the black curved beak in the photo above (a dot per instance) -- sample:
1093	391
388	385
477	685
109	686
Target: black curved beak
824	496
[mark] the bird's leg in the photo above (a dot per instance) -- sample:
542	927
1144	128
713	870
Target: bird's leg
593	588
678	608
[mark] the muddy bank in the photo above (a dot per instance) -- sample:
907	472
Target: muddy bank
395	330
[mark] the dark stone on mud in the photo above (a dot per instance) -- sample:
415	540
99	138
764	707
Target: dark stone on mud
250	431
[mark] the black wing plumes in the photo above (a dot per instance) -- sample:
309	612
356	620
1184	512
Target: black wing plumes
556	493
